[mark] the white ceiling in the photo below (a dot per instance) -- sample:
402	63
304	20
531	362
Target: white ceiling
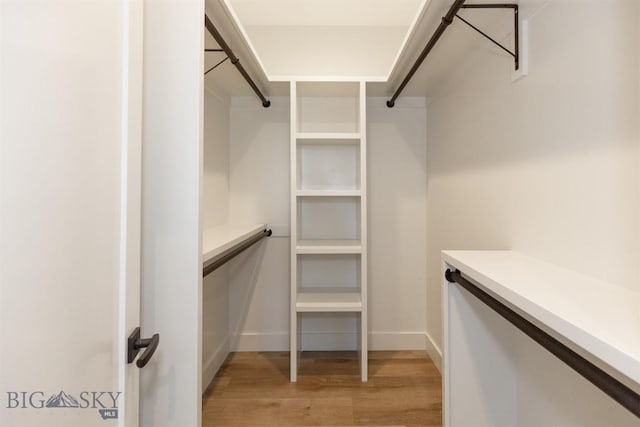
325	39
350	13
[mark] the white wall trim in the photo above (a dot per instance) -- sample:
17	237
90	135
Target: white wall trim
433	351
260	341
279	341
211	366
396	341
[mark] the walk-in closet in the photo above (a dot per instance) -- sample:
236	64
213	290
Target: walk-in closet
363	179
320	213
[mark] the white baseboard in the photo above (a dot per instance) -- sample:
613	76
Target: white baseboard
260	341
433	351
211	366
396	341
318	341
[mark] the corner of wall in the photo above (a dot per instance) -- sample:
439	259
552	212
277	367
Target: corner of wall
212	364
433	351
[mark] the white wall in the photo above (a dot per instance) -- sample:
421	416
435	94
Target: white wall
171	385
397	167
215	211
259	192
215	169
259	183
548	165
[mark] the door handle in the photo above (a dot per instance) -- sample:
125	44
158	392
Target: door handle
135	343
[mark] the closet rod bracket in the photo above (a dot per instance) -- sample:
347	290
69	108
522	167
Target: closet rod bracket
216	66
516	30
446	21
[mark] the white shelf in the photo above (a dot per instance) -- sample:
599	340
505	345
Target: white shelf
328	300
328	193
328	208
333	137
320	247
218	239
600	320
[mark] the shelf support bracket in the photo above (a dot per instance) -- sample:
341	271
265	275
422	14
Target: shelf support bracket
215	66
516	30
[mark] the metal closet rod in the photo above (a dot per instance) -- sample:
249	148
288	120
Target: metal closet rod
446	21
233	252
598	377
234	59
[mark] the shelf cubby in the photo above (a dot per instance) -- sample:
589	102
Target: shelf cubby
328	164
330	218
328	271
341	328
329	283
328	107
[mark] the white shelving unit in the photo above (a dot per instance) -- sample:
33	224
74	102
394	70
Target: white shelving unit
328	207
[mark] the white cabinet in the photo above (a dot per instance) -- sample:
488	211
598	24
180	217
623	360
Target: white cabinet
328	207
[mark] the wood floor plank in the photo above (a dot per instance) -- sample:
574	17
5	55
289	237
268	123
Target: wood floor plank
399	368
253	389
406	411
284	412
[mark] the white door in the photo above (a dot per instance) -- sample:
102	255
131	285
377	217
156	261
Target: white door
70	167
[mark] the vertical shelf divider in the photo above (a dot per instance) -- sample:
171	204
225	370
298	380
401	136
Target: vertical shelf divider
364	325
293	322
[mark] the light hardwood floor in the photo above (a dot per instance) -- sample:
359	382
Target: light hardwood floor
253	389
